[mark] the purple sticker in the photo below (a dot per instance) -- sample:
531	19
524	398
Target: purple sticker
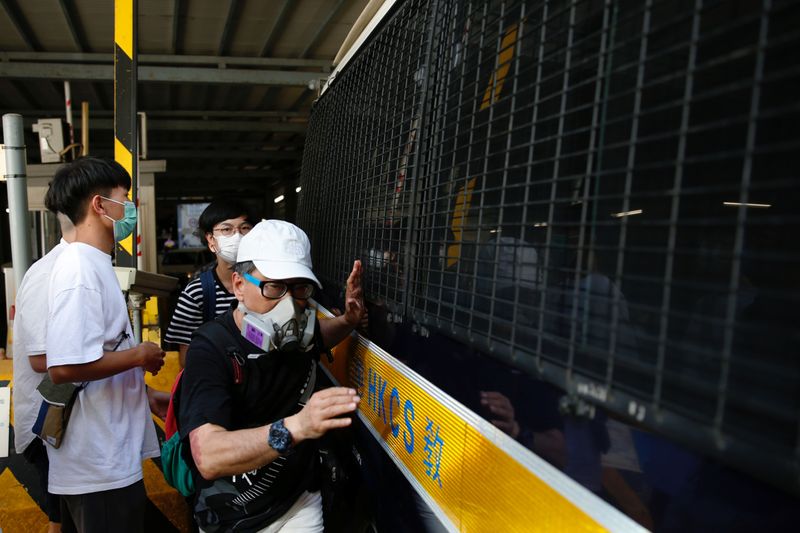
254	335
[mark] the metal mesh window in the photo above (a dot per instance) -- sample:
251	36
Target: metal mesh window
601	193
362	148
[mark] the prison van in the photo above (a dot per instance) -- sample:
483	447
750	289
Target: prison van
578	222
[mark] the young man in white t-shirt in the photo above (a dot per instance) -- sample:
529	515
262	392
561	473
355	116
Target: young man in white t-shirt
98	468
30	365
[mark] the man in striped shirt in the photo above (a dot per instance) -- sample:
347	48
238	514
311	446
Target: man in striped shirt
223	223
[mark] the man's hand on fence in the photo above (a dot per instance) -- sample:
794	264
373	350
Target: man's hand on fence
322	413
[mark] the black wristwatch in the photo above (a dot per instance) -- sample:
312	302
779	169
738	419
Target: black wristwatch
280	438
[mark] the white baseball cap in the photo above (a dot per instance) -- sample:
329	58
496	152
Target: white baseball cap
279	249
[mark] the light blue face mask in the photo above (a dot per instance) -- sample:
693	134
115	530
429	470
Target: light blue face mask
124	226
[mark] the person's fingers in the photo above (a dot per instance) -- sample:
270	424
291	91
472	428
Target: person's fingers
494	395
338	409
354	279
502	411
335	423
505	425
353	291
501	405
356	268
330	405
325	401
354	273
333	391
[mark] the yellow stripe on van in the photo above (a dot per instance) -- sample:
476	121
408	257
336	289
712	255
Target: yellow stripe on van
474	477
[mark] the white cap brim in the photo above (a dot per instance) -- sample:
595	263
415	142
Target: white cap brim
285	270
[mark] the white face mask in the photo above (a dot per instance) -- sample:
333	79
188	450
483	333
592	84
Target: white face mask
228	247
286	327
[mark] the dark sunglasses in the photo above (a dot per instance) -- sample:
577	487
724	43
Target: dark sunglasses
275	290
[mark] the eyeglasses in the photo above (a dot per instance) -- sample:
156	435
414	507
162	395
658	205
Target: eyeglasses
275	290
227	230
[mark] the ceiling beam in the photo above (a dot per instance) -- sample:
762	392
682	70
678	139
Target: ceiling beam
225	174
73	26
210	187
226	144
200	125
22	93
218	94
277	27
92	72
172	91
77	32
230	22
169	59
291	151
20	24
322	29
265	155
176	27
171	113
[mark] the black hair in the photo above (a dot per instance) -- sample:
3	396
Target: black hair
220	210
78	181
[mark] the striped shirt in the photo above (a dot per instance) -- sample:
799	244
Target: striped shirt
188	315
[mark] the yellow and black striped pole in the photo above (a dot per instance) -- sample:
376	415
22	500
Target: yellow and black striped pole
125	124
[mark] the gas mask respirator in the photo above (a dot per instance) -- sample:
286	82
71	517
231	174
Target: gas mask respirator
285	328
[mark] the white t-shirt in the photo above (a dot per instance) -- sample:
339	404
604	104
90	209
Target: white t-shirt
110	431
30	338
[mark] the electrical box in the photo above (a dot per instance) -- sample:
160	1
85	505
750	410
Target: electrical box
51	139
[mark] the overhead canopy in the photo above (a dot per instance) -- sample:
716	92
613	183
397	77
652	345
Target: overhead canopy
227	84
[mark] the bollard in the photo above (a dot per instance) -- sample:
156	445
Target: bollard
14	152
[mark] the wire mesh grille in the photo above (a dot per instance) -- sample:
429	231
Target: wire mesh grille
602	193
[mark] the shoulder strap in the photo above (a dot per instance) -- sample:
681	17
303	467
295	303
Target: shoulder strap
209	295
312	383
171	420
218	335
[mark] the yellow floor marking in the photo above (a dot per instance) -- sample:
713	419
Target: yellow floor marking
18	512
6	369
168	500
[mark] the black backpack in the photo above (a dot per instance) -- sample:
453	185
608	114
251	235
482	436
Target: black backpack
175	457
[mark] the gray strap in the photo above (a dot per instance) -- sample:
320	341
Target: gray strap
312	381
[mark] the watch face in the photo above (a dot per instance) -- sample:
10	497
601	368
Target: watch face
279	437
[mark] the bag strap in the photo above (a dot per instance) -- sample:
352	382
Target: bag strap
215	337
209	295
312	382
171	420
219	336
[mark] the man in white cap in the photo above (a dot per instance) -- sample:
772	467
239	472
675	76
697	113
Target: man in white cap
246	405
